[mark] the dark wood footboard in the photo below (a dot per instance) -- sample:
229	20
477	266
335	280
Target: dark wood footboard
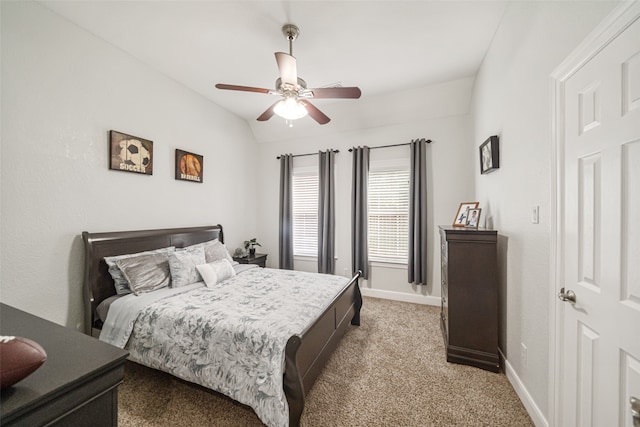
306	354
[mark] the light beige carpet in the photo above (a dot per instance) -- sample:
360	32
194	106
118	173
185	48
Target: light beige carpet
391	371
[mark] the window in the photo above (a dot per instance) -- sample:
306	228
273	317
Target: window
389	215
305	213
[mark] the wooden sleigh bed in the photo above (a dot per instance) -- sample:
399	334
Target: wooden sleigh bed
305	354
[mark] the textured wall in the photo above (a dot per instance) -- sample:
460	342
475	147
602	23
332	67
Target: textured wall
512	99
63	89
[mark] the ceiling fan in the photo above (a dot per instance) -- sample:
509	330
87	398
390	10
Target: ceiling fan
294	103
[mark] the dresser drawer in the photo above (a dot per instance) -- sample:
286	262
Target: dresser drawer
443	247
444	274
444	288
444	325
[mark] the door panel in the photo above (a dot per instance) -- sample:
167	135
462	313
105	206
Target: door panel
587	365
631	224
589	221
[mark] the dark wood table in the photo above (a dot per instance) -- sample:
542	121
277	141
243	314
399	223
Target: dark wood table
76	386
258	259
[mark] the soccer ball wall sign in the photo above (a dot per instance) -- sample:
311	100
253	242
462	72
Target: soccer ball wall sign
130	153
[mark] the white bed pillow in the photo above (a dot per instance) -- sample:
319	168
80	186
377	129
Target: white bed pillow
182	264
119	281
216	271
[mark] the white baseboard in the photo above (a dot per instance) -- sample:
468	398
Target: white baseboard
529	404
400	296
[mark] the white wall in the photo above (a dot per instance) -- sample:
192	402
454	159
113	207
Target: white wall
512	99
63	89
450	179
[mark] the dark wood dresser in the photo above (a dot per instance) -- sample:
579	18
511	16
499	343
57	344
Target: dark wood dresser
469	310
76	386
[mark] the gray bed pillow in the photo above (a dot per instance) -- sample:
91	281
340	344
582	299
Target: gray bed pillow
182	264
214	250
119	281
146	273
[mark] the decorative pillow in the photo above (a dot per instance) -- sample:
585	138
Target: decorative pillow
216	271
146	273
182	264
214	250
119	281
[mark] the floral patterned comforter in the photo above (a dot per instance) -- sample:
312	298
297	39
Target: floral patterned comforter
231	338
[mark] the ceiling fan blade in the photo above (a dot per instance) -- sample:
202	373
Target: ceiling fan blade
287	67
268	113
243	88
315	114
336	92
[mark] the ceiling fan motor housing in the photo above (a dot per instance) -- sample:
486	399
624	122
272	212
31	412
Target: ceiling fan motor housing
301	84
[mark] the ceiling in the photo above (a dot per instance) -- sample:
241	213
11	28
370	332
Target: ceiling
384	47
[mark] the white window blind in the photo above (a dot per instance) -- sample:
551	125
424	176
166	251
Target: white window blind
305	213
389	215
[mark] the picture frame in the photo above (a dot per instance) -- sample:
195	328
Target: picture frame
460	220
489	155
130	153
189	166
473	218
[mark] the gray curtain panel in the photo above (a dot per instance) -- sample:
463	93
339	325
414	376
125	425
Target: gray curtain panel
286	213
417	263
326	213
359	214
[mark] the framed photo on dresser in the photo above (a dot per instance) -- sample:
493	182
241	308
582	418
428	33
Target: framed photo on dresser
473	218
460	219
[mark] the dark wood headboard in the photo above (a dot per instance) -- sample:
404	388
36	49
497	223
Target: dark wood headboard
98	284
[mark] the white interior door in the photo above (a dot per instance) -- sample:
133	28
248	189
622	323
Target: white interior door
599	344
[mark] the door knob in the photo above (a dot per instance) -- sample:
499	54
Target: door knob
635	410
567	296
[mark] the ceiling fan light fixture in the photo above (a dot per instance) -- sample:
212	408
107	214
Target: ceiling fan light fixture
294	103
290	109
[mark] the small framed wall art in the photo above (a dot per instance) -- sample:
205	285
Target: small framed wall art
473	218
463	213
130	153
189	166
489	155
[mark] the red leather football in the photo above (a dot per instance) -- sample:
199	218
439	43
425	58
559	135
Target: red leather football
19	357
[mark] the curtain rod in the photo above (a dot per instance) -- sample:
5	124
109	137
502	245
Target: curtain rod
428	141
309	154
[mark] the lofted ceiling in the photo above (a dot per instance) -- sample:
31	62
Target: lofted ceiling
384	47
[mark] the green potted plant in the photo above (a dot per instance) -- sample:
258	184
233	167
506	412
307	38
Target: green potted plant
251	246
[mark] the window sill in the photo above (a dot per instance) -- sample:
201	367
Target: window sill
307	257
388	264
